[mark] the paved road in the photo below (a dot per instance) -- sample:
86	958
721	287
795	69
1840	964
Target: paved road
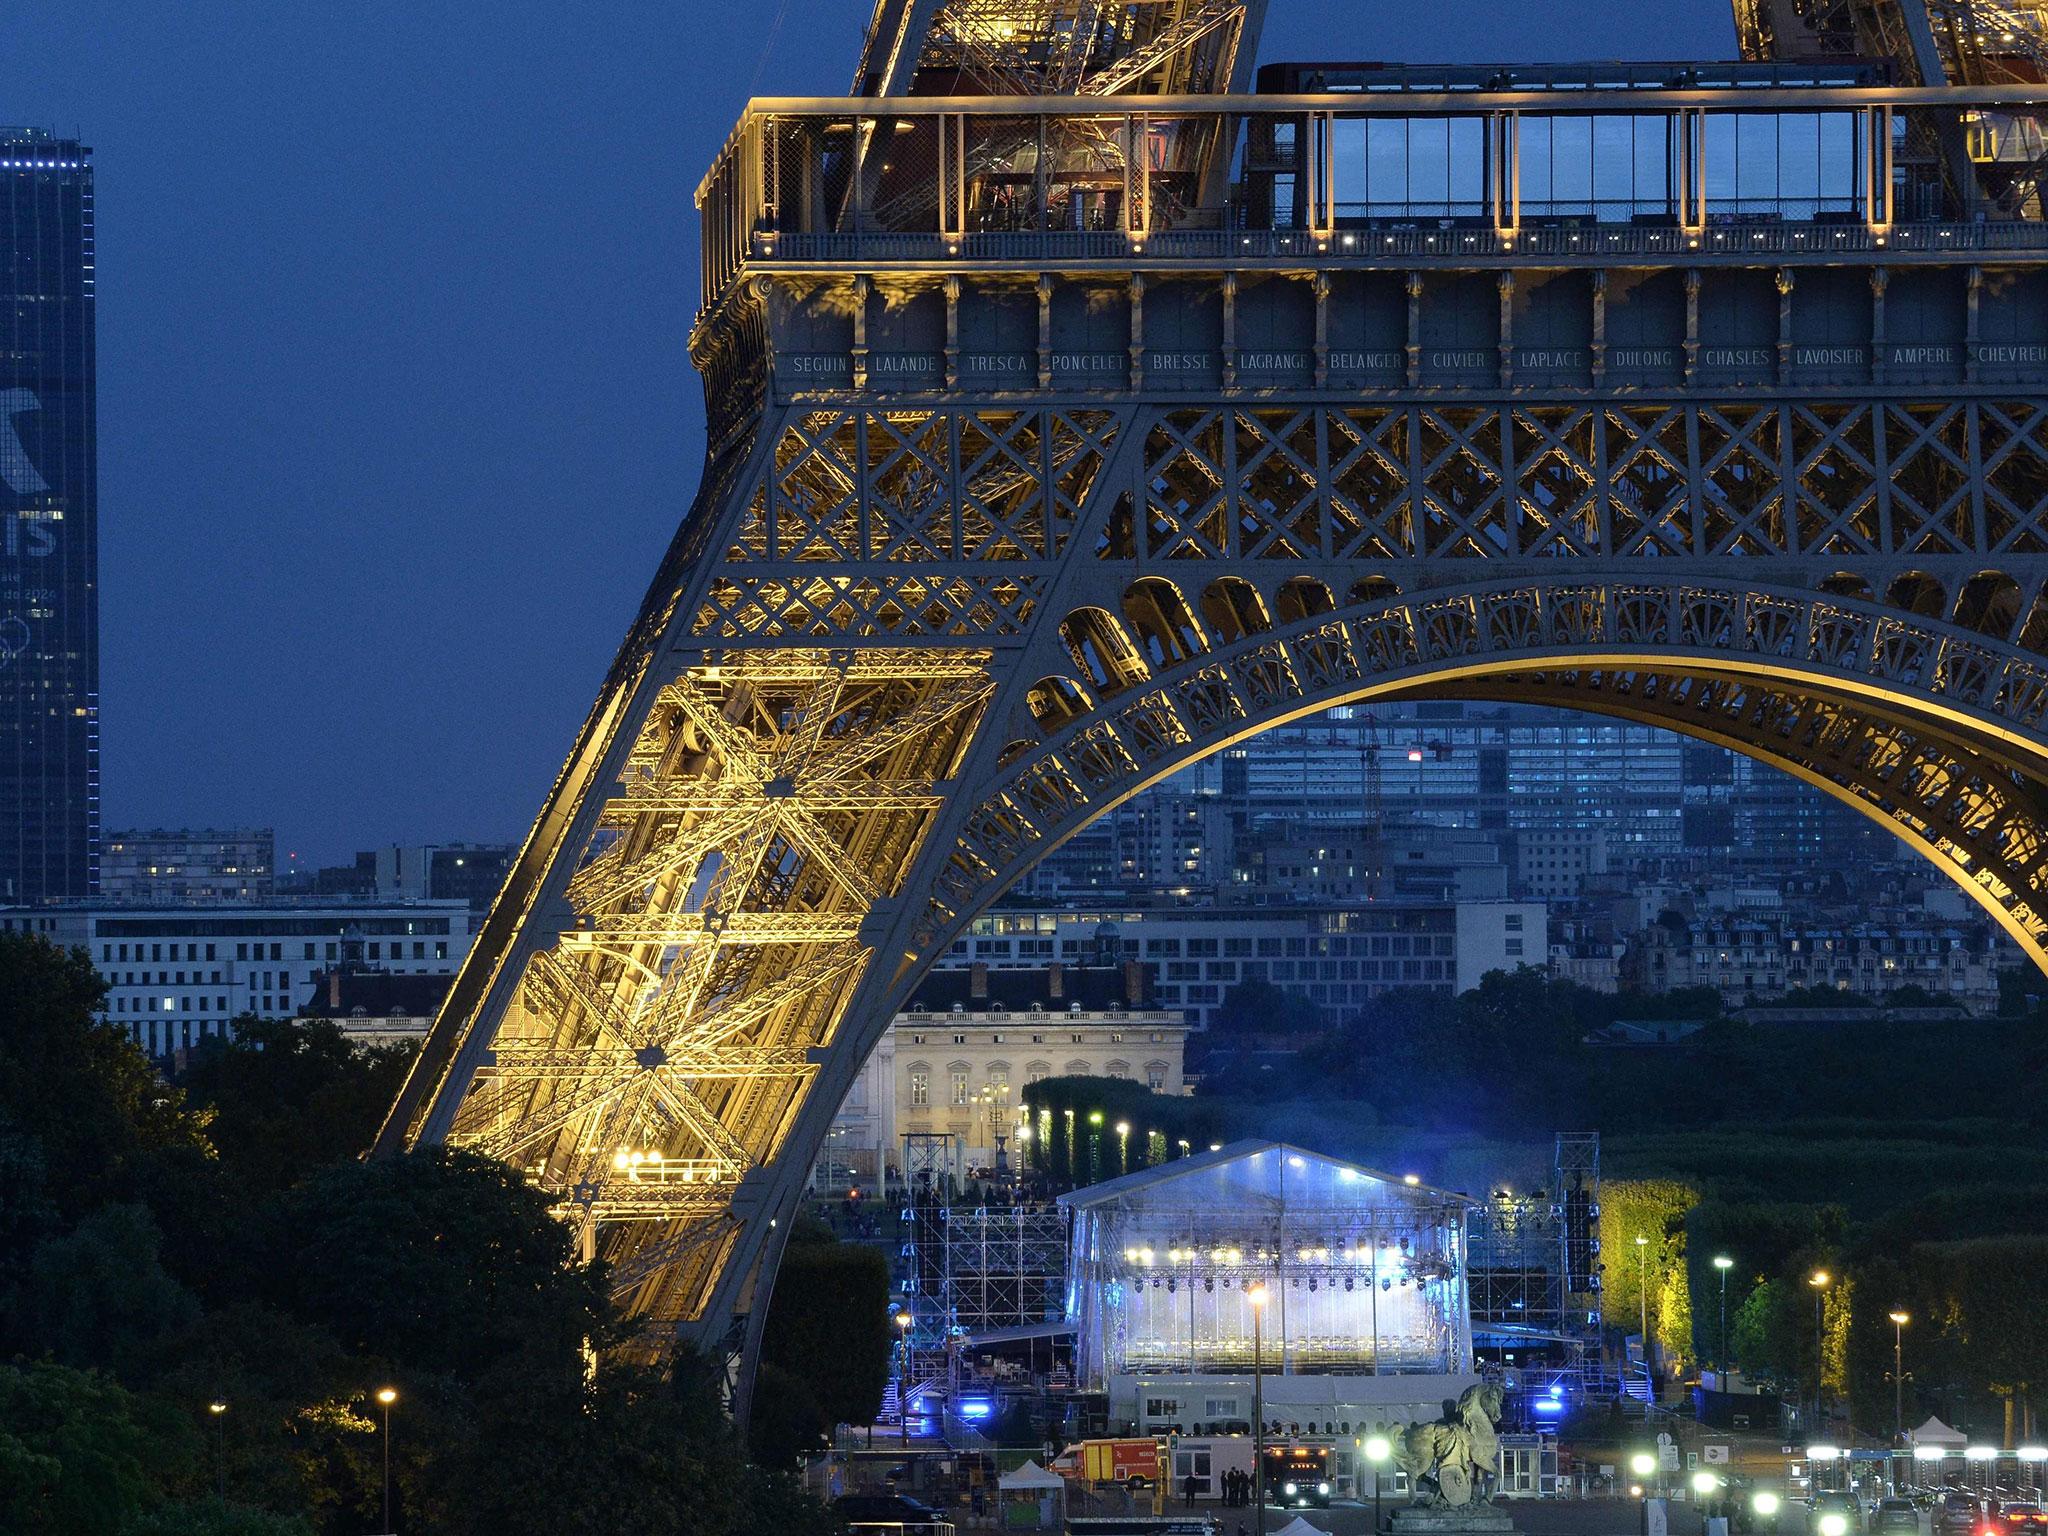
1545	1517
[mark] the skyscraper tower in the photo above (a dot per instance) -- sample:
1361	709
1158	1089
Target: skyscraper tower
49	505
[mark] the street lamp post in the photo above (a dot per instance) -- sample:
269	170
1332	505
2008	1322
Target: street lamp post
1899	1321
1643	1464
1257	1297
1819	1281
1123	1146
903	1322
220	1463
1643	1296
1377	1450
1723	1263
387	1396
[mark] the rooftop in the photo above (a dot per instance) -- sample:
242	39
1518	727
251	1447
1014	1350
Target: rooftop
1054	989
1270	1170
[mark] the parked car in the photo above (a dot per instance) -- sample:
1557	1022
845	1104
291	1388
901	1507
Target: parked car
891	1513
1895	1514
1835	1514
1958	1514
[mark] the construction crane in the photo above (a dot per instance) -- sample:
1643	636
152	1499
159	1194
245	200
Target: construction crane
1372	840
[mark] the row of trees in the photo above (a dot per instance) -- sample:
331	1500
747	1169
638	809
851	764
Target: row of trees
1073	1136
1514	1052
1968	1271
166	1249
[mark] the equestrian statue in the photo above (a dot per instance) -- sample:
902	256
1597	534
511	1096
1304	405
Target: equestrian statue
1454	1462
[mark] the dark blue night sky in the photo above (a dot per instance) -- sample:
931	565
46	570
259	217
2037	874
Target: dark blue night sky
395	414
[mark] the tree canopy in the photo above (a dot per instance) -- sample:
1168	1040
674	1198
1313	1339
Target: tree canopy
165	1248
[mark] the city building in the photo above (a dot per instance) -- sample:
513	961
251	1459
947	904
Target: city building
49	511
1554	863
1585	949
1295	864
176	975
1358	1278
1569	797
470	872
467	872
1755	957
1338	956
377	1007
175	868
956	1061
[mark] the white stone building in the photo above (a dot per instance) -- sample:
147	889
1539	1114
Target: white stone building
957	1060
176	975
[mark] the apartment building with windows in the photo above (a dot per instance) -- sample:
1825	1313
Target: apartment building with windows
176	975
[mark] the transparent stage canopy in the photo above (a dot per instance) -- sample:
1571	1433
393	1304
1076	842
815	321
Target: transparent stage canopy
1363	1271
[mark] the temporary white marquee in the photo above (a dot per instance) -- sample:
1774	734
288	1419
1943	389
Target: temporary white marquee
1362	1270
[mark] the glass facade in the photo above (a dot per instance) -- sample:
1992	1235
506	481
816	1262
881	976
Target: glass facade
49	556
1653	797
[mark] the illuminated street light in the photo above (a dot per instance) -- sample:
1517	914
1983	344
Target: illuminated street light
904	1322
1899	1321
1643	1295
1723	1263
220	1464
1378	1451
387	1396
1819	1281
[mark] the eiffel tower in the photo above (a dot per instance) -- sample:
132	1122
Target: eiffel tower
1081	402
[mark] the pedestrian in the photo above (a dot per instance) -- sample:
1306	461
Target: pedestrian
1189	1485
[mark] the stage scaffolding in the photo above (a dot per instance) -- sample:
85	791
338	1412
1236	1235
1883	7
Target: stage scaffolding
967	1269
1535	1270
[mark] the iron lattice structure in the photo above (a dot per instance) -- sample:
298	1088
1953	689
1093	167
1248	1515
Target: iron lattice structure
1058	440
1005	1265
1535	1275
